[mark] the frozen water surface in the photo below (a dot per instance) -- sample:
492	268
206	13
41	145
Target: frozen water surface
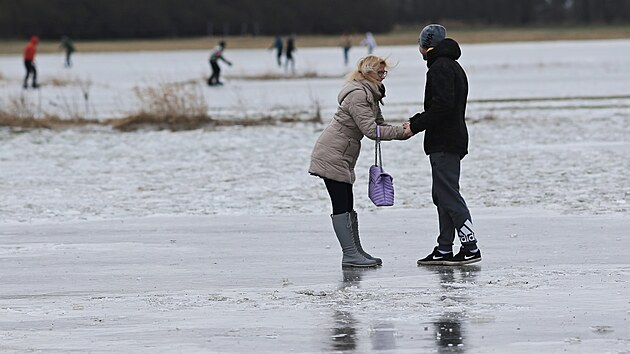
549	127
548	283
218	240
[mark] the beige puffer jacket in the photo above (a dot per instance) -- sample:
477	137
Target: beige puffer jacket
336	151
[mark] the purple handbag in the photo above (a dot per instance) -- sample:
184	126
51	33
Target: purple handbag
381	185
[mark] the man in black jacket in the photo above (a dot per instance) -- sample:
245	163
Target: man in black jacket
446	143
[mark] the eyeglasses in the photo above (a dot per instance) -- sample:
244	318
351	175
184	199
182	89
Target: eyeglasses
382	73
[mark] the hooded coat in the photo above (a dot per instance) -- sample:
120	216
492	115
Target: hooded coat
445	96
337	149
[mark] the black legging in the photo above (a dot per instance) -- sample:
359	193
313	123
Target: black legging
216	71
30	69
340	196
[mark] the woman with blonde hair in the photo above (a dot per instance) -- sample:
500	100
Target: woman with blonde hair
337	149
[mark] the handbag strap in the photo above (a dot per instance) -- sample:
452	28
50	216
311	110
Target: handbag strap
377	148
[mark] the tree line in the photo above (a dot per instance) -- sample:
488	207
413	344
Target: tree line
119	19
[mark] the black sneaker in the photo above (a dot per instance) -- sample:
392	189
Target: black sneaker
465	257
436	258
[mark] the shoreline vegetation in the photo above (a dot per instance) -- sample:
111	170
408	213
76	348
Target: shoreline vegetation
400	36
142	122
166	106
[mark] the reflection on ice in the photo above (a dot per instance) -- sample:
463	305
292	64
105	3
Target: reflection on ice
447	275
358	323
383	336
344	331
456	301
449	336
352	276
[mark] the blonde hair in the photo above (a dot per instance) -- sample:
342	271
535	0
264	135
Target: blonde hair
365	66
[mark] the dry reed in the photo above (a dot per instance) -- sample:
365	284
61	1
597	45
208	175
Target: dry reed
175	107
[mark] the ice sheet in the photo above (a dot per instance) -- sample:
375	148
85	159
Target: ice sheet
548	283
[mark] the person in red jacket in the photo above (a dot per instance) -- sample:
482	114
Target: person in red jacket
29	61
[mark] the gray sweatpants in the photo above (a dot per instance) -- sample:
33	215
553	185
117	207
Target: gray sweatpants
453	213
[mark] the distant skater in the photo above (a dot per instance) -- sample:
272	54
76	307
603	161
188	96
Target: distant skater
68	47
369	41
29	61
217	54
346	44
289	54
277	44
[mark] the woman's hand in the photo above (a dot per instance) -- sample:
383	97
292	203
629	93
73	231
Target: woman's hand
407	133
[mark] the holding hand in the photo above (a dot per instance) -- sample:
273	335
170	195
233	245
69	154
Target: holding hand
407	133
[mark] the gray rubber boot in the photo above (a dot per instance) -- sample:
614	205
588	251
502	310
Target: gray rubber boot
351	256
357	240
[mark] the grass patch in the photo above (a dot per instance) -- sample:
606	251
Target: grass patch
47	122
168	100
178	106
148	121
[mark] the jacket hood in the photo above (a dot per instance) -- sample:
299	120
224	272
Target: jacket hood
355	85
446	48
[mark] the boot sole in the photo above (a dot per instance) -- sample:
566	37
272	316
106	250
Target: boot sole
432	263
470	261
449	263
359	265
